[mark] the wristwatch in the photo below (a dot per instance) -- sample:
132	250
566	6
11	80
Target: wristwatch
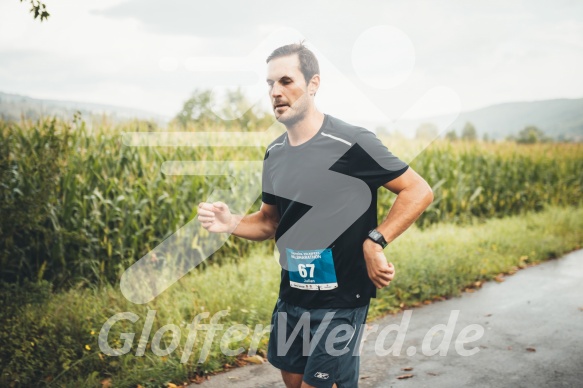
377	237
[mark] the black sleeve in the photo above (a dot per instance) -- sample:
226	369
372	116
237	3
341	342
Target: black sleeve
373	162
267	194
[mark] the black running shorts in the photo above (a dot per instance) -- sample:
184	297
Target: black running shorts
321	344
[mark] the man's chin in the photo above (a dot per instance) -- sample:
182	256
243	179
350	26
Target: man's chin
287	118
282	118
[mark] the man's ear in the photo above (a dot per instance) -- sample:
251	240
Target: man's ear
314	84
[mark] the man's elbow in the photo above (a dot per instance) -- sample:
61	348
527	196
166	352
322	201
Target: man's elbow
271	228
426	194
430	196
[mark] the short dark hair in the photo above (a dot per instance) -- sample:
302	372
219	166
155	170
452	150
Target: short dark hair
308	62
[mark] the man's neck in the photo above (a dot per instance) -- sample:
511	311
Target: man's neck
303	130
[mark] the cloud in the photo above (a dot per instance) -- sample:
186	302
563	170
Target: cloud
110	51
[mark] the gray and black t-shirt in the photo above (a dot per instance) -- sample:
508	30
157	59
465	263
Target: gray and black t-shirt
325	191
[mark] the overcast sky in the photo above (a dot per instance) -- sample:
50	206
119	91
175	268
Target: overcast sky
389	59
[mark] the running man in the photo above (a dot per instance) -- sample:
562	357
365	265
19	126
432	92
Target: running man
319	202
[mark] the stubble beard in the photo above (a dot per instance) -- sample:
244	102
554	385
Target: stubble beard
294	113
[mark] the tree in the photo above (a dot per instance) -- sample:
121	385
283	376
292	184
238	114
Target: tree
427	131
485	137
39	9
531	135
197	110
240	114
469	132
451	135
231	111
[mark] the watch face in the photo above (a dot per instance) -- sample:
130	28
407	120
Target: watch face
377	237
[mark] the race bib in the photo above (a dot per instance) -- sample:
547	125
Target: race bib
311	269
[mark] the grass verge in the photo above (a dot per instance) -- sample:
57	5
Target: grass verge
52	338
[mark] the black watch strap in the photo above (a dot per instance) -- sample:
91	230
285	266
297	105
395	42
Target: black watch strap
377	237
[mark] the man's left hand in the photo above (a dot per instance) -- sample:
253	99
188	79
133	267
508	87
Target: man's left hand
379	270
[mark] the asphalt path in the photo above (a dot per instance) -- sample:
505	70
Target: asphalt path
524	332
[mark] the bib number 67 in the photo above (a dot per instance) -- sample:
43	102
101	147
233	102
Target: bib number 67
304	268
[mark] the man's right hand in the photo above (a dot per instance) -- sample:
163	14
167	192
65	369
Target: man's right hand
215	217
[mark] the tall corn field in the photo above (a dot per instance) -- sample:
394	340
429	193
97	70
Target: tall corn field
77	205
483	180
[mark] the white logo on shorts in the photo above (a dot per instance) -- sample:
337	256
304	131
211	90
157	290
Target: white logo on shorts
320	375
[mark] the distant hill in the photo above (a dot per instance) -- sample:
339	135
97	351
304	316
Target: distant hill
13	105
560	119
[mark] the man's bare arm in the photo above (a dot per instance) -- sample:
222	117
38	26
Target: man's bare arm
217	218
413	197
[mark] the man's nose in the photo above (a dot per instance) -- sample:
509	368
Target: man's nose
276	90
